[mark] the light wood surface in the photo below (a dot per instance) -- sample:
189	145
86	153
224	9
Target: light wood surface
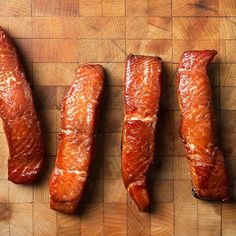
54	37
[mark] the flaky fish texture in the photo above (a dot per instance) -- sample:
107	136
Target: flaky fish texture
79	114
197	129
17	111
142	94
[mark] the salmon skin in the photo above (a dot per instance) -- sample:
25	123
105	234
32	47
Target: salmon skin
17	111
79	115
142	95
197	129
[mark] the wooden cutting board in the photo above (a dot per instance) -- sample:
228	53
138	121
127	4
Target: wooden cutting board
54	37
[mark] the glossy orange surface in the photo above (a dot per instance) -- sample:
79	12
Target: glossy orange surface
79	115
17	110
142	95
197	130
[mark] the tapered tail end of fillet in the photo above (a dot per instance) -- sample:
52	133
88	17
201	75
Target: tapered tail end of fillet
69	208
196	59
140	195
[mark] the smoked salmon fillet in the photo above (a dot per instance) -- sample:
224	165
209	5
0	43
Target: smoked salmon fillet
197	129
20	122
142	95
79	114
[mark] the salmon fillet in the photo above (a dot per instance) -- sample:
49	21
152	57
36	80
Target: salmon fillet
79	115
197	129
142	96
17	111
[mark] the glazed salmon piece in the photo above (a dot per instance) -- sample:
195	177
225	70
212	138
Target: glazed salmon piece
197	129
79	115
20	121
142	96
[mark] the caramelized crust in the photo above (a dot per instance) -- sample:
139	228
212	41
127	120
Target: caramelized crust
76	139
17	111
197	129
142	95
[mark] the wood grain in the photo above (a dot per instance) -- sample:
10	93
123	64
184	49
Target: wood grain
53	38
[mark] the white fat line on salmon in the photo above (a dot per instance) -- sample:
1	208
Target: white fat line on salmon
83	174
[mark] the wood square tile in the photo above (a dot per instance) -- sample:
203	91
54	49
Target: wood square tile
20	27
106	27
162	191
19	7
228	51
112	168
166	98
162	222
227	141
185	28
137	8
195	8
94	192
4	186
183	192
68	225
209	218
164	171
25	49
228	219
231	168
92	215
44	220
112	144
115	219
138	222
4	219
164	144
114	73
179	46
21	219
114	191
3	8
114	96
148	28
227	122
159	8
168	74
4	145
214	74
228	98
54	74
228	74
46	97
41	191
48	120
161	48
97	168
93	50
185	219
20	193
93	230
50	143
181	169
55	50
3	167
90	8
55	8
55	27
227	7
113	8
227	28
113	121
